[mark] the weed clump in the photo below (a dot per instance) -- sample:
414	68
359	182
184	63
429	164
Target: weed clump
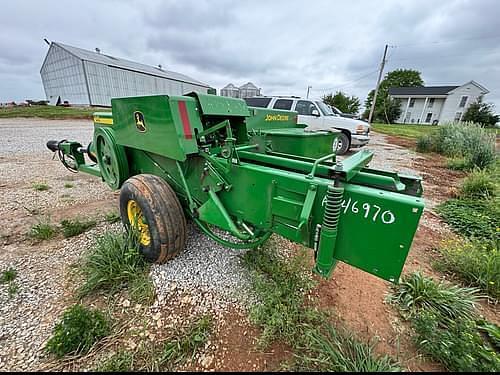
79	329
43	230
446	327
75	227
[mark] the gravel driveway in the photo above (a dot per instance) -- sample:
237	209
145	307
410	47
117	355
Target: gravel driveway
210	273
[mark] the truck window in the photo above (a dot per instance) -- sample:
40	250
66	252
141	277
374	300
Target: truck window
257	102
305	107
283	104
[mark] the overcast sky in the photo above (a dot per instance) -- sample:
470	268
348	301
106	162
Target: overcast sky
281	46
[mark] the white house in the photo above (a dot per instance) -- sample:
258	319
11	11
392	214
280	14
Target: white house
436	104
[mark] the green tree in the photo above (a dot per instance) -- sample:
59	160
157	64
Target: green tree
388	109
481	113
340	100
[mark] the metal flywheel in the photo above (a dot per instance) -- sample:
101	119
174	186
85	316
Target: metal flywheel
111	158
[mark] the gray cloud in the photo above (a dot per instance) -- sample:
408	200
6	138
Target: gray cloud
282	46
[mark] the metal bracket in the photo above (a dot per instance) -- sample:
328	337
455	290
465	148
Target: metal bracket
305	214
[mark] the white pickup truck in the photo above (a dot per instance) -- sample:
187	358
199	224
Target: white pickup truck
317	115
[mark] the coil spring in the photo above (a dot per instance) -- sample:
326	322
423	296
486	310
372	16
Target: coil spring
333	206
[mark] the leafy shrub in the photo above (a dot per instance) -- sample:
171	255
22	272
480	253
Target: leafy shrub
75	227
458	344
472	218
480	184
466	141
424	143
79	329
475	263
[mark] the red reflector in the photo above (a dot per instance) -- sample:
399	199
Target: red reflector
185	120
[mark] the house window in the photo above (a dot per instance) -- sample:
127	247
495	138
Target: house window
429	117
412	103
463	101
431	102
407	118
458	116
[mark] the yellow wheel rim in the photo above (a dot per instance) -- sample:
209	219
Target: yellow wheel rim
136	218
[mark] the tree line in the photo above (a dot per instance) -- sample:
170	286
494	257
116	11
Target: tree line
388	109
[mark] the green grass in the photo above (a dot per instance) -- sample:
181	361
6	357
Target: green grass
331	350
475	263
472	218
184	346
280	286
75	227
112	216
121	361
417	292
480	184
8	276
413	131
49	112
406	131
445	325
168	355
114	263
43	230
40	186
79	329
69	185
12	289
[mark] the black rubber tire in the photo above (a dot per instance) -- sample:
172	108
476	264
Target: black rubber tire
163	213
344	144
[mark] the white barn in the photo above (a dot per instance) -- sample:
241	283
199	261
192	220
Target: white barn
436	104
88	78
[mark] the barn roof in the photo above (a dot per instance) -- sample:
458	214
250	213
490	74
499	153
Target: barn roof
112	61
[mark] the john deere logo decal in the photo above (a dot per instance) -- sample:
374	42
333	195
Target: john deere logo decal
139	121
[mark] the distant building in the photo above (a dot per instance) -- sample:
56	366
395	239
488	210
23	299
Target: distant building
436	104
248	90
83	77
231	91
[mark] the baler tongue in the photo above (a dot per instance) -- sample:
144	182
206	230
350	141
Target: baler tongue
250	172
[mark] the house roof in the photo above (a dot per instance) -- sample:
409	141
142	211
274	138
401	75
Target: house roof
112	61
422	90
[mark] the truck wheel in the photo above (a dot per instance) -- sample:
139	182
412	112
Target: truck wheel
343	144
148	204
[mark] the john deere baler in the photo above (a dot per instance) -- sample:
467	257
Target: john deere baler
241	175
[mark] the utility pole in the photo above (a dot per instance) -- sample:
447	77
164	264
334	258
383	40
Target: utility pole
382	64
308	87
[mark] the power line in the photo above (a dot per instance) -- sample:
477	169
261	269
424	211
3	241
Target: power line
348	83
450	41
